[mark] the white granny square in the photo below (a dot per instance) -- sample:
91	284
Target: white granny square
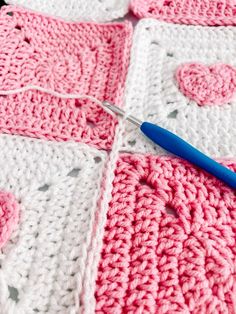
153	94
58	187
78	10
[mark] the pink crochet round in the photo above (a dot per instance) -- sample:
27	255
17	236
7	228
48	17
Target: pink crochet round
170	240
213	85
82	58
196	12
9	215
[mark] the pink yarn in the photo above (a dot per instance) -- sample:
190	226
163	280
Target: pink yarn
84	58
169	243
203	12
9	215
214	85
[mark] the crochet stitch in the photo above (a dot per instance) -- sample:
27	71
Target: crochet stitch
169	243
153	94
9	211
81	58
78	10
58	186
195	12
214	85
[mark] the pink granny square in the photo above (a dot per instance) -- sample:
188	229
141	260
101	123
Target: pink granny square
195	12
84	58
169	243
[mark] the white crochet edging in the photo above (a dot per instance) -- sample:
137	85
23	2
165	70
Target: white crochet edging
58	186
78	10
89	303
152	93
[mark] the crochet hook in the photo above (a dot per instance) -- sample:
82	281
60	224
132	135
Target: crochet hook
177	146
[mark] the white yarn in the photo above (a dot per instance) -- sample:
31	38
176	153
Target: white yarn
48	91
78	10
54	93
45	260
152	93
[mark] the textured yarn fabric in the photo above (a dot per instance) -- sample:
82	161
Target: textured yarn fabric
169	244
84	226
78	10
161	55
84	58
195	12
9	215
58	187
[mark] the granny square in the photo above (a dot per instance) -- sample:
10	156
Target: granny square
58	188
80	58
183	78
169	242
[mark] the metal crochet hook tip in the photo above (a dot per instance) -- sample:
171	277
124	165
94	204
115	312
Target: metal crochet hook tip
121	113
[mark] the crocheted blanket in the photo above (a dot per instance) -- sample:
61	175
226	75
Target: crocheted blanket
93	217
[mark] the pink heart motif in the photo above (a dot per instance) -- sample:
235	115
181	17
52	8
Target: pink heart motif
9	215
207	85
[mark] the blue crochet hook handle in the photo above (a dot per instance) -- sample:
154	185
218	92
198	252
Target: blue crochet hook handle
177	146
